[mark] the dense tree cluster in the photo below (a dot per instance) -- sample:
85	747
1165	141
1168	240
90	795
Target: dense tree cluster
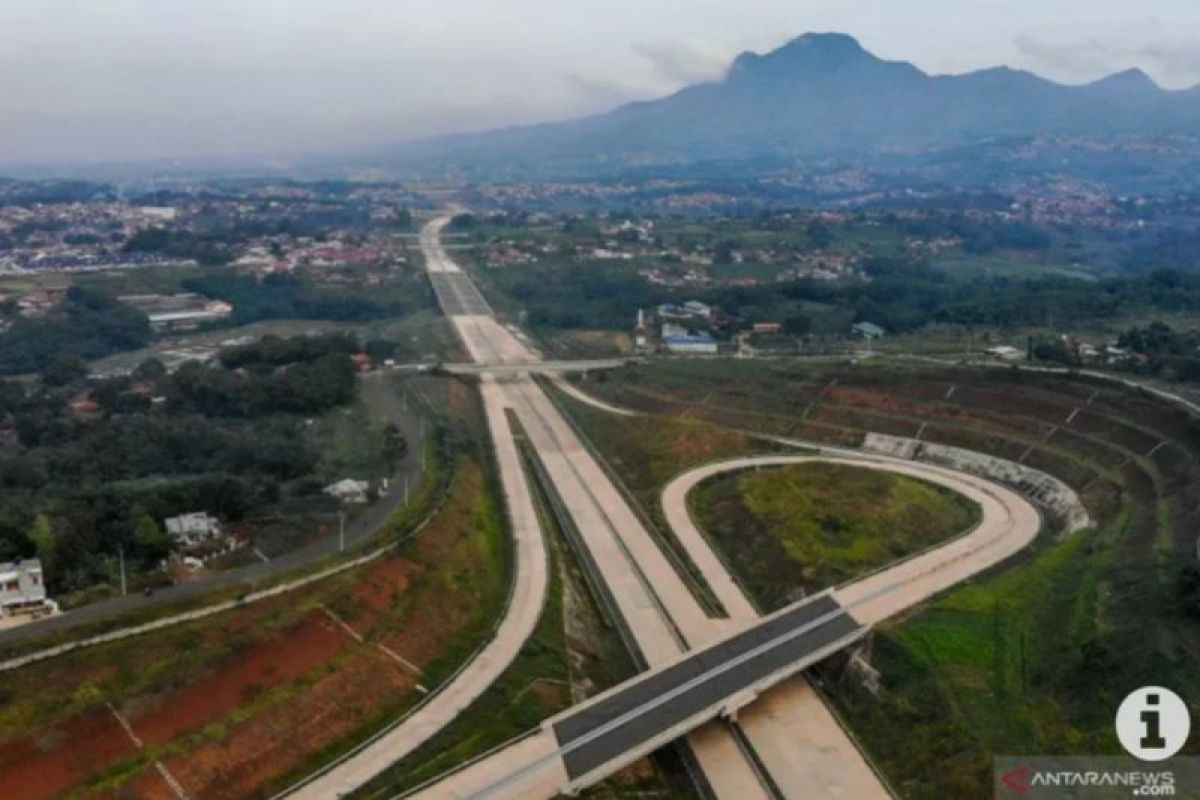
91	466
207	249
88	324
1163	351
900	295
289	297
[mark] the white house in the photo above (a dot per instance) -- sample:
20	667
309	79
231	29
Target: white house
349	490
1005	352
195	528
691	344
672	329
22	588
867	330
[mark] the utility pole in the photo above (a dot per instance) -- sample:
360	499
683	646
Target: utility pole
121	555
341	531
406	488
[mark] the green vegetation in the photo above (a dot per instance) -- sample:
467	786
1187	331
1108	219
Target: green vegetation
450	581
301	297
906	273
1034	656
1163	352
815	525
87	460
87	324
1014	664
643	453
207	249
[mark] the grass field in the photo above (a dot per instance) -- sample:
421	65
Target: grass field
963	266
1034	656
814	525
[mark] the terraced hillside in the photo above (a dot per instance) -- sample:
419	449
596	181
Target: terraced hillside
1035	657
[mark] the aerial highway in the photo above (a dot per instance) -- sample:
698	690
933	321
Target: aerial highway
727	675
550	761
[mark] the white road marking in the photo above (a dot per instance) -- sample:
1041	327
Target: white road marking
342	624
387	651
170	779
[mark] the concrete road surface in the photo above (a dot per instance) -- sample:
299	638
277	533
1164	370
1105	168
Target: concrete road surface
517	625
791	732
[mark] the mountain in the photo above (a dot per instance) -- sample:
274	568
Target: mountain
823	95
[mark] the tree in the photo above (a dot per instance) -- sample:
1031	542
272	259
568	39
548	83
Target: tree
394	443
798	325
149	370
1189	590
64	371
44	539
819	235
149	539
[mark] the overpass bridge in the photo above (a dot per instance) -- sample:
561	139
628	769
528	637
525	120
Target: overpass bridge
595	739
538	367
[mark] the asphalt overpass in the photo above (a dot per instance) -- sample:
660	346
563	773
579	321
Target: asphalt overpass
597	738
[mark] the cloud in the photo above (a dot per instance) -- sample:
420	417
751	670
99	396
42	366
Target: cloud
598	93
683	63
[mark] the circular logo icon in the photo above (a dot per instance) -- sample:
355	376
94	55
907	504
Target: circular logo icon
1153	723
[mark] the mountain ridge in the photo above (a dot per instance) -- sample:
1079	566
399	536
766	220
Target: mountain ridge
823	94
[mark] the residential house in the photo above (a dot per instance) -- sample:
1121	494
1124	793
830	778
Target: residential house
702	344
198	527
22	588
867	330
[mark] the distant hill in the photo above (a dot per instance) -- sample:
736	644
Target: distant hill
823	95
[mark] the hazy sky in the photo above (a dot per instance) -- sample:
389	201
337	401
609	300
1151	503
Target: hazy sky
129	79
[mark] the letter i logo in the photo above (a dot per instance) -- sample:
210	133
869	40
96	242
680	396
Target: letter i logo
1153	723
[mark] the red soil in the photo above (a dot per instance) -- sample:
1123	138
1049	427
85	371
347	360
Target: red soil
383	583
62	757
277	741
290	655
148	785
